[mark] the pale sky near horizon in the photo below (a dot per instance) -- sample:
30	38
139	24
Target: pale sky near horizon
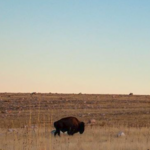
72	46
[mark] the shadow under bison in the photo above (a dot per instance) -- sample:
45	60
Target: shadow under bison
71	125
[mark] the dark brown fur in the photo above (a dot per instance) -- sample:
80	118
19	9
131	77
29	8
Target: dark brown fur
70	125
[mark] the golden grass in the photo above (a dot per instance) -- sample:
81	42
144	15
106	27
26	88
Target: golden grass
99	138
26	121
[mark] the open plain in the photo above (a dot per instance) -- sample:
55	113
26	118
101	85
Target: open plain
26	121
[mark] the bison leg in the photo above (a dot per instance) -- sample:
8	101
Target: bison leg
57	132
68	132
71	131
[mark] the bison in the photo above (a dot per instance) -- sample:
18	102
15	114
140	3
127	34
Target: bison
71	125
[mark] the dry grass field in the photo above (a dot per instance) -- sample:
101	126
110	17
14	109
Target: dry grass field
26	121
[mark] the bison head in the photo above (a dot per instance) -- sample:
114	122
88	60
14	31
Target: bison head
81	127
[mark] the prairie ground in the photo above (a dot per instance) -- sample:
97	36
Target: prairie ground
26	121
96	138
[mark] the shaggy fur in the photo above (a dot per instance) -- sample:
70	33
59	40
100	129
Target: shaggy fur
71	125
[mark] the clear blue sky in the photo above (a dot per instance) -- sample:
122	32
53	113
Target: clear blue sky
72	46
